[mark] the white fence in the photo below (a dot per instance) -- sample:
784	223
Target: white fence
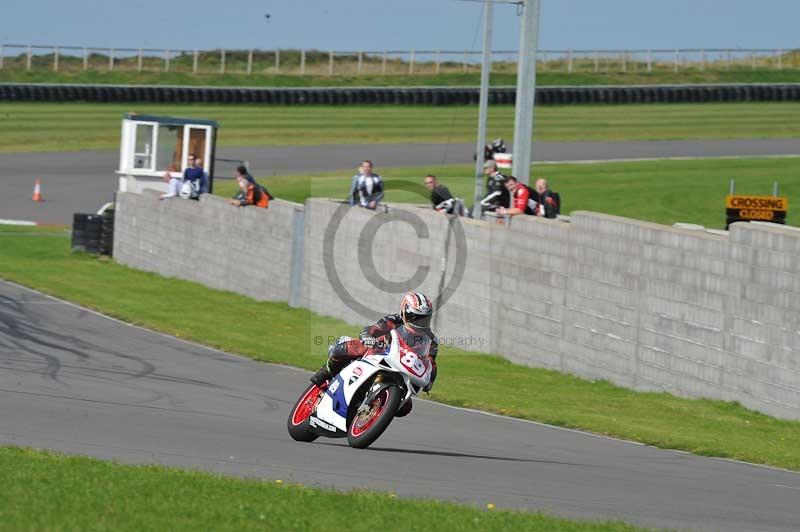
390	62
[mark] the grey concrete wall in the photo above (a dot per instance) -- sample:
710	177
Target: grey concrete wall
643	305
396	249
245	250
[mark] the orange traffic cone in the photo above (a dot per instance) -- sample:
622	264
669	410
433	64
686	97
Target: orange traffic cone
37	191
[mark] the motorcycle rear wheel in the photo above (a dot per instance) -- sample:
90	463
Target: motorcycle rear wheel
364	429
297	424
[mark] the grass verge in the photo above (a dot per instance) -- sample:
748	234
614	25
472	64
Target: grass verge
47	491
544	78
26	127
658	191
285	335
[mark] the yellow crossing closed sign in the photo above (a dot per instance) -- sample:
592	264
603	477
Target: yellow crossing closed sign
763	208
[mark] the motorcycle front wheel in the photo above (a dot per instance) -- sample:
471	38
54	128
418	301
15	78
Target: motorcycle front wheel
297	424
369	424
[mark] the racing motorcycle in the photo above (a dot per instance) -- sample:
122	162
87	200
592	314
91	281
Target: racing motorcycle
361	401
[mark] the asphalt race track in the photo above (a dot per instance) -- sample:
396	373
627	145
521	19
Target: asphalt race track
84	181
78	382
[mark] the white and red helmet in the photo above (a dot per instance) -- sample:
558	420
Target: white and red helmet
416	310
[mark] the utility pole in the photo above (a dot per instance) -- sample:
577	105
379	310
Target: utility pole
486	66
526	90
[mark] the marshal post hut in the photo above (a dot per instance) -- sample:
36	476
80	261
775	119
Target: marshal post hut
152	145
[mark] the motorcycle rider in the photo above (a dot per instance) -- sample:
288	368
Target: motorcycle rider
416	312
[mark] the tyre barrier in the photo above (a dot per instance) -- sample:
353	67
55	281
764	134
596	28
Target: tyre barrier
107	233
93	233
41	92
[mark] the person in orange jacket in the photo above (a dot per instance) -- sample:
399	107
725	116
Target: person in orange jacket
250	192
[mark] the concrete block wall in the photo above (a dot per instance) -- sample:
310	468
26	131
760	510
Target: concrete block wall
645	306
245	250
396	249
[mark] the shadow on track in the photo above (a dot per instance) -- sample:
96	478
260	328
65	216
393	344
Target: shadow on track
452	454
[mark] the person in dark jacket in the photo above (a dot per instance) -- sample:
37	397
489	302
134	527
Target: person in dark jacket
496	193
194	172
439	193
548	203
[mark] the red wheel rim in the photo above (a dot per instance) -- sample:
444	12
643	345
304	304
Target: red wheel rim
360	425
306	406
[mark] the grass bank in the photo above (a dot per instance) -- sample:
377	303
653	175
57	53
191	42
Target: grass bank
658	191
706	427
26	127
401	79
47	491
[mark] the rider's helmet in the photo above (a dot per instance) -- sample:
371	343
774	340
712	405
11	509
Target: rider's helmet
416	311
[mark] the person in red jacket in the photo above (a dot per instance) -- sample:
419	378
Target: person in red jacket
416	312
522	198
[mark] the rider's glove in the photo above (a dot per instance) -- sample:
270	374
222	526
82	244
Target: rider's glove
369	341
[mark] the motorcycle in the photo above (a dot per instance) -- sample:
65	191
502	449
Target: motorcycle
490	148
361	401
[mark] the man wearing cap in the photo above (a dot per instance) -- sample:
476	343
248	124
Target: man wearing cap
496	193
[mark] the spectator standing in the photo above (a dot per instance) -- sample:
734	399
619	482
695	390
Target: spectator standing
496	193
366	188
521	201
548	203
440	195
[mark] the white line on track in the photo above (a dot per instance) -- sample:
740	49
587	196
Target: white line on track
787	487
676	158
4	221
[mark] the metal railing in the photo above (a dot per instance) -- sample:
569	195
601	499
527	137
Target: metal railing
57	58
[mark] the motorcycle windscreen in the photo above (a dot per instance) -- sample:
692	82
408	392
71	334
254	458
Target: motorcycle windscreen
417	342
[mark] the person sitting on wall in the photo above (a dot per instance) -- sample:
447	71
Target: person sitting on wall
366	188
441	199
548	203
205	180
250	192
521	202
173	183
192	179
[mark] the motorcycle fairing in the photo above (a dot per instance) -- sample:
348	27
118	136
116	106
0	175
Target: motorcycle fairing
332	408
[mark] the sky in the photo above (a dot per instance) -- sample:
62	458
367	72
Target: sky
398	24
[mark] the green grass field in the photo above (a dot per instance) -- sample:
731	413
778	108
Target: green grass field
659	191
28	127
45	74
707	427
47	491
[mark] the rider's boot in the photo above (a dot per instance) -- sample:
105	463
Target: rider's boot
337	360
